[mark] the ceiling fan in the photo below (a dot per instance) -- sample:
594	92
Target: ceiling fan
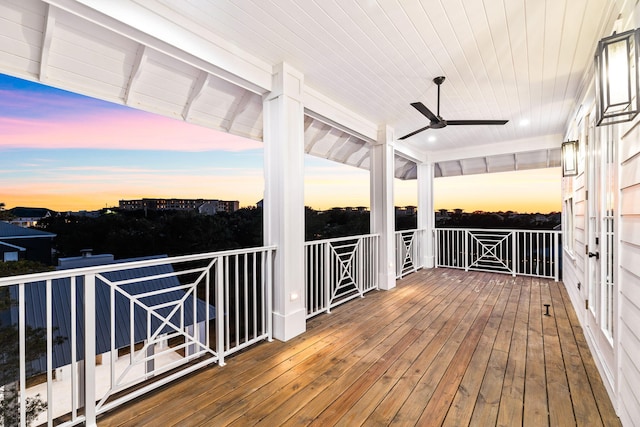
437	122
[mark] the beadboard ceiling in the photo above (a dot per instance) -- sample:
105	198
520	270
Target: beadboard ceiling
209	62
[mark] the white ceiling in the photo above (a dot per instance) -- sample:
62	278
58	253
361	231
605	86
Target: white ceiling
210	61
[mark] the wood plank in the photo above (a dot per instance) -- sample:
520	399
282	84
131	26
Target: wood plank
423	391
584	403
443	327
536	411
485	411
468	392
315	407
313	381
607	412
358	413
512	398
560	407
342	356
296	402
436	409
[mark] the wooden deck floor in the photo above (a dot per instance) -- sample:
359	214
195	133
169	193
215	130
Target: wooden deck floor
444	348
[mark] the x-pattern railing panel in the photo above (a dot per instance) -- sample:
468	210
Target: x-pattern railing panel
407	252
167	315
338	270
490	250
517	252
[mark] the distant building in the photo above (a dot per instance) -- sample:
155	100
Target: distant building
28	217
213	205
18	243
84	213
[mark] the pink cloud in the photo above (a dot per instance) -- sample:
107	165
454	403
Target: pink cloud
117	130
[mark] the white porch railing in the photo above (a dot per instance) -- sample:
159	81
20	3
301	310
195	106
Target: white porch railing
516	252
87	340
408	251
338	270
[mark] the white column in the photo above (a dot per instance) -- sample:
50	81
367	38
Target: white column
284	198
382	206
426	220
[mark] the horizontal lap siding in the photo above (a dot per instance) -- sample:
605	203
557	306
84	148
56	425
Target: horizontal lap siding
629	283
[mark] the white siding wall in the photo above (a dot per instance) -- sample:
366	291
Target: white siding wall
626	393
629	278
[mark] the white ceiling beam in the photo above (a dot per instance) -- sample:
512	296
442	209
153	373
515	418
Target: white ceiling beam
409	153
195	94
47	39
326	110
364	157
342	142
317	136
507	147
211	53
233	113
136	71
405	169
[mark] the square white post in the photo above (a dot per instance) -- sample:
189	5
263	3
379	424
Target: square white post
382	207
426	220
284	198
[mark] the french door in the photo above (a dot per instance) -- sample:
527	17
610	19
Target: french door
601	254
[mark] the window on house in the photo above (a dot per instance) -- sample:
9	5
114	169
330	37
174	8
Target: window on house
568	225
11	256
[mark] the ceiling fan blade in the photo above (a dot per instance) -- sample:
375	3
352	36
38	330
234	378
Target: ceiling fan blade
476	122
413	133
425	111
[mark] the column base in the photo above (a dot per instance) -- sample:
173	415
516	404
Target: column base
289	326
429	262
387	280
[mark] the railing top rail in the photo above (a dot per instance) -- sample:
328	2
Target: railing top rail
59	274
500	230
410	230
339	239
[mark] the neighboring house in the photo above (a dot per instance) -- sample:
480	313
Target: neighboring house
18	243
28	217
209	208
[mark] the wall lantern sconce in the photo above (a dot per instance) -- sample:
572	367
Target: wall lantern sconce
617	78
570	158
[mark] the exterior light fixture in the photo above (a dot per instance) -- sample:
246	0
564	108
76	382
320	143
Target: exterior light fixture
617	78
570	158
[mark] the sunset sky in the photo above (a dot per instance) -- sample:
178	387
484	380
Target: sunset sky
66	152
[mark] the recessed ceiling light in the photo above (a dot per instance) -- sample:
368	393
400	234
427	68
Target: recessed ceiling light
431	138
524	122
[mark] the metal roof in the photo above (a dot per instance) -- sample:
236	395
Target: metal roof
10	231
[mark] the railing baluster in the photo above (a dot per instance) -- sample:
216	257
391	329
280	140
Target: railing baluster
515	238
221	309
90	349
22	336
49	314
74	350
